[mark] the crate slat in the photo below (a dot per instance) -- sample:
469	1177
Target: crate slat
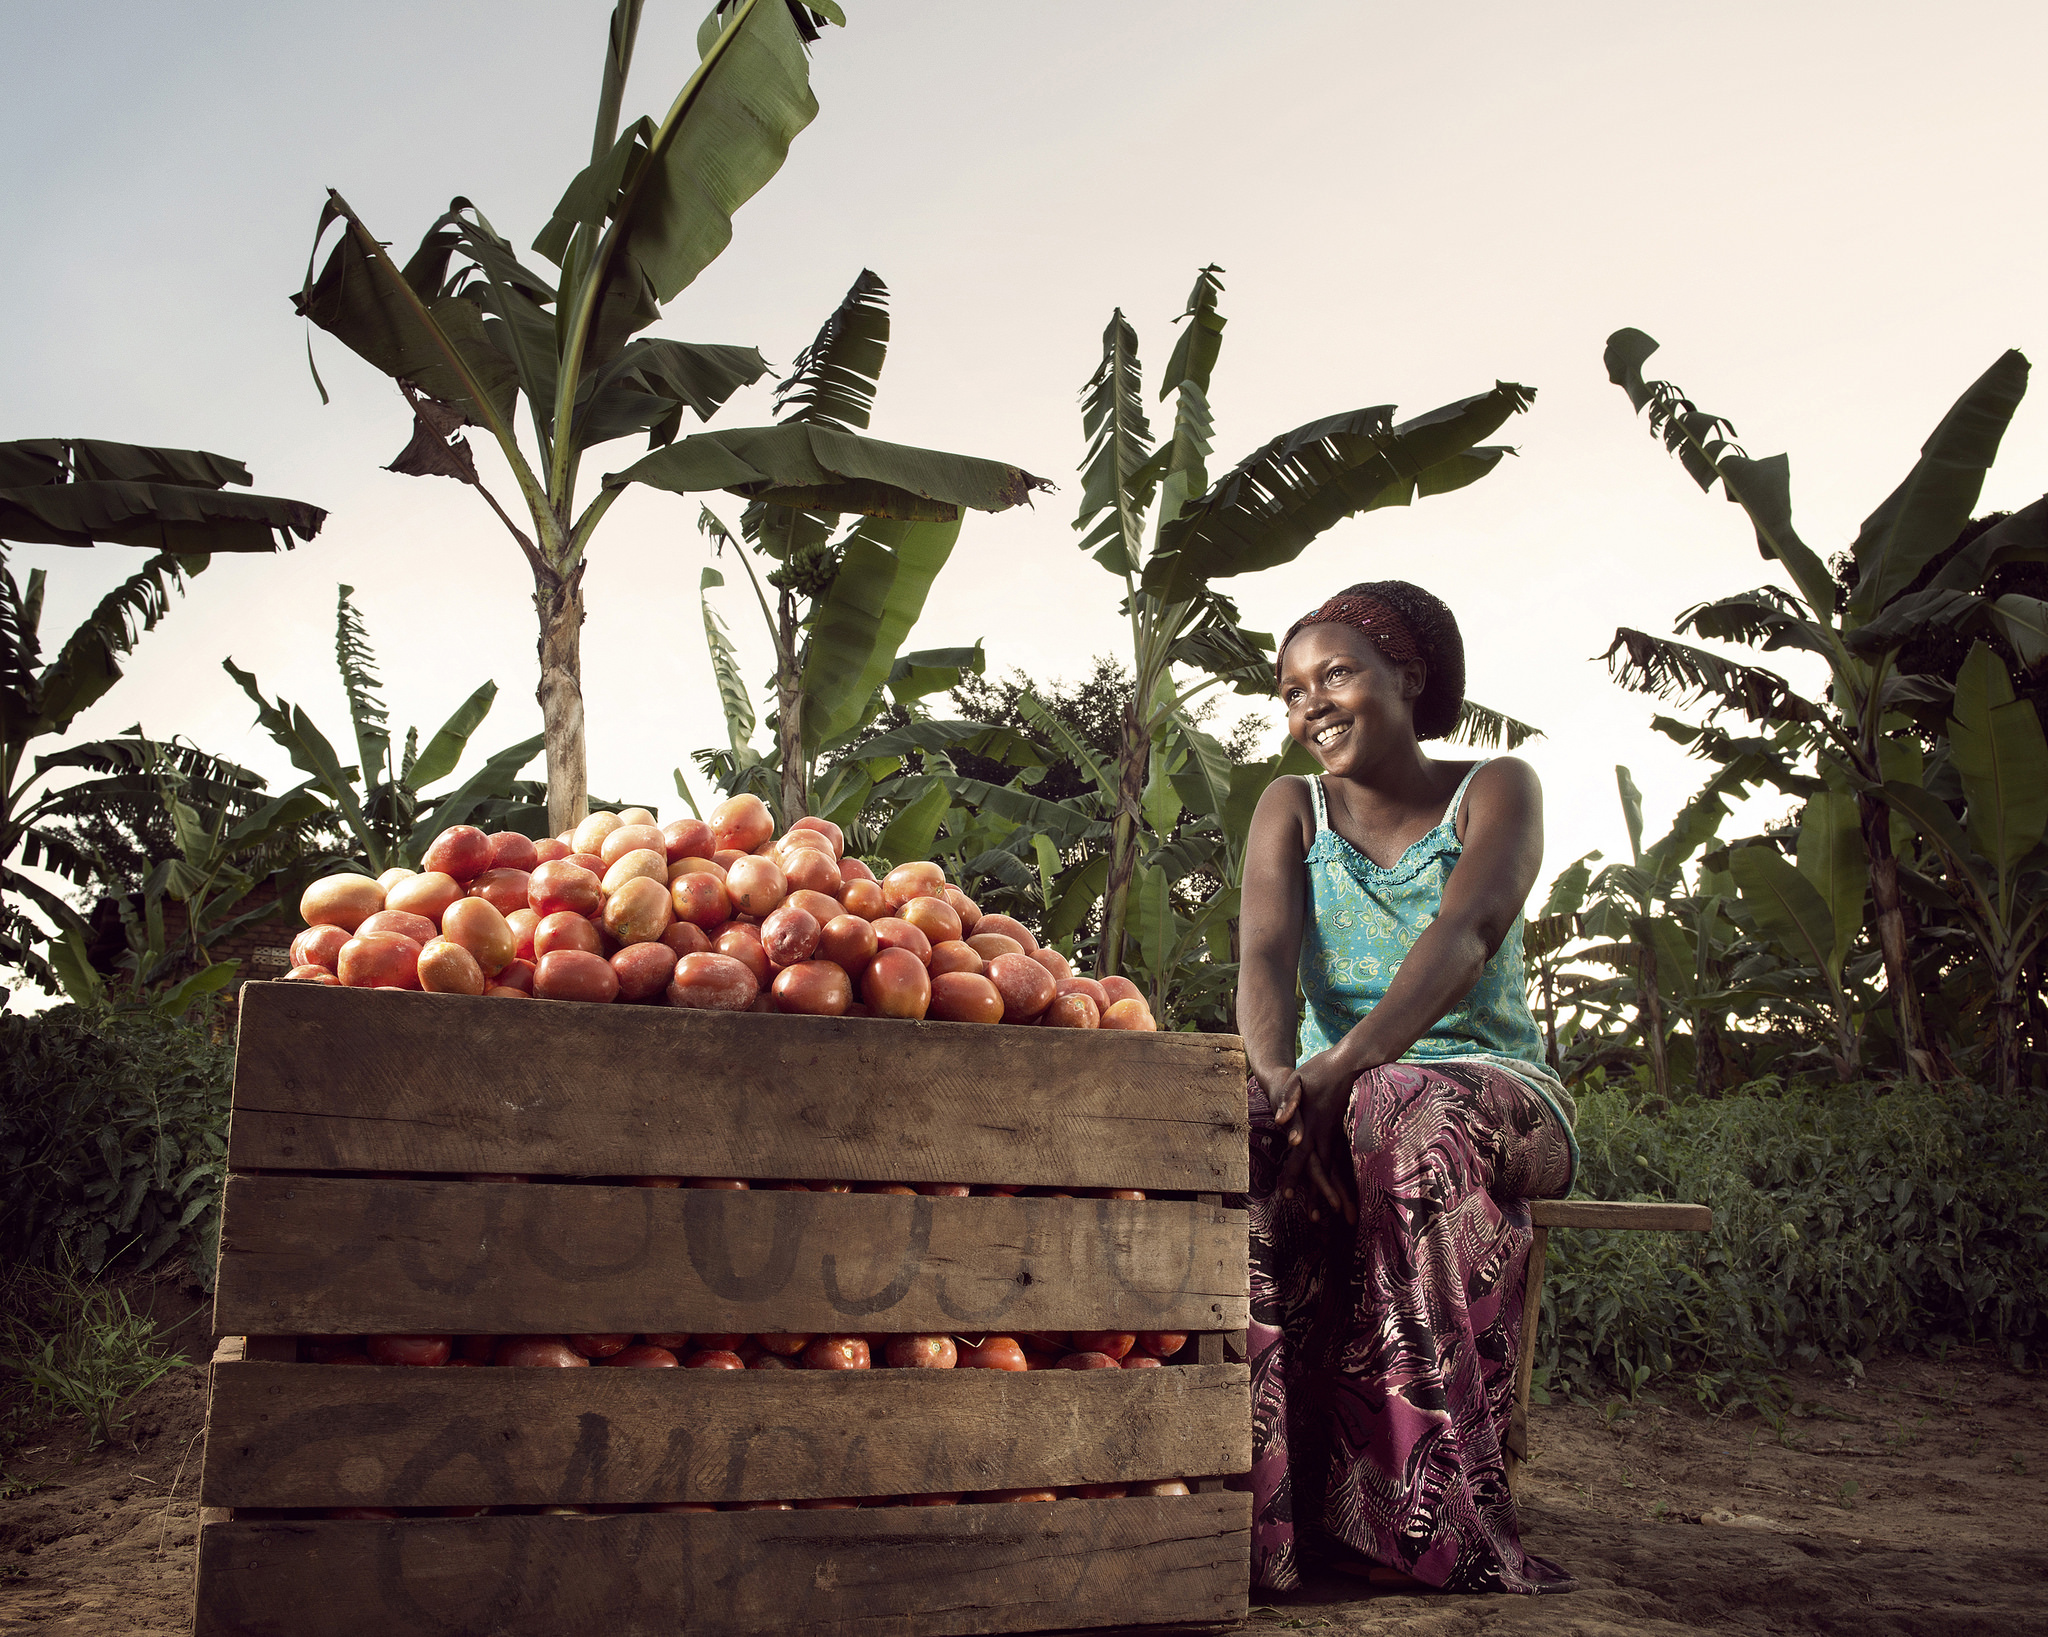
348	1080
894	1572
356	1256
313	1435
1601	1213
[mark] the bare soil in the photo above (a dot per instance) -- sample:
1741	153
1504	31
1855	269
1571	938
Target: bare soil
1912	1501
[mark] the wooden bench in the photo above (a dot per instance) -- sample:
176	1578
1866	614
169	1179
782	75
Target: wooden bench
1577	1213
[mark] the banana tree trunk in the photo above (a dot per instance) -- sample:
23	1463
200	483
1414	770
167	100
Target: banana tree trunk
1708	1071
1133	767
1650	1010
559	603
789	709
1888	912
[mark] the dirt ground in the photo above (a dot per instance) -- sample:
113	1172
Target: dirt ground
1913	1501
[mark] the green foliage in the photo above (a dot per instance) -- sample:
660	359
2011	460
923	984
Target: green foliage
113	1138
1847	1219
83	1352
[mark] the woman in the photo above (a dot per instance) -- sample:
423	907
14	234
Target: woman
1397	1134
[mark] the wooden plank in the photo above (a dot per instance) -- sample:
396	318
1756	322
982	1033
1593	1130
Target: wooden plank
1598	1213
889	1572
301	1435
1517	1441
356	1080
349	1256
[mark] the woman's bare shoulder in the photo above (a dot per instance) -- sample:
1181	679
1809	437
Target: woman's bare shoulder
1286	808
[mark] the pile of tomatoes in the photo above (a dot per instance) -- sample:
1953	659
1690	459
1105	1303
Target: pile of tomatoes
723	915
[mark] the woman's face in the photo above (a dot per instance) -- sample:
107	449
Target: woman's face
1347	703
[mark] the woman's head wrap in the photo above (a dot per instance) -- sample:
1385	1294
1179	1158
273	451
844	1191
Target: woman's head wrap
1378	619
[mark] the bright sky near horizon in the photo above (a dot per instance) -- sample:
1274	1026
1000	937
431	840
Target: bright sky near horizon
1827	213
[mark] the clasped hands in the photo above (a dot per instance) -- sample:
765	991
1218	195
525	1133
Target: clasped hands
1308	1103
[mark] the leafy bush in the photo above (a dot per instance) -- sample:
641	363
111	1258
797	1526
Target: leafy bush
1847	1218
113	1138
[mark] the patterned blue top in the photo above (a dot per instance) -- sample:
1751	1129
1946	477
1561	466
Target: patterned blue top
1363	919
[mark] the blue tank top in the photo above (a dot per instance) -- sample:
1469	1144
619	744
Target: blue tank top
1361	921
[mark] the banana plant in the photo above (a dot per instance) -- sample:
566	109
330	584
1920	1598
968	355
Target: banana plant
1994	860
379	801
75	492
466	330
1894	599
1263	512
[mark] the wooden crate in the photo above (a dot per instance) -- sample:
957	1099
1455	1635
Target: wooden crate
419	1090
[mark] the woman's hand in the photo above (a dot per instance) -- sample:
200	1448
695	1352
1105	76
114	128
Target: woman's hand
1309	1106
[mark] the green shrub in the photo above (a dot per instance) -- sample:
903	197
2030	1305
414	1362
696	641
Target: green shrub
1846	1219
113	1139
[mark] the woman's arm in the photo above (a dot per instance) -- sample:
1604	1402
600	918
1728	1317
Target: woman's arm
1269	933
1487	889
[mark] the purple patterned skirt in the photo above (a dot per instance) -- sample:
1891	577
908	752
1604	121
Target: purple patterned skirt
1383	1356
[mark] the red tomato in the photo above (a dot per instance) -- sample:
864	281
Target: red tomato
685	939
645	972
714	1359
1017	1495
726	857
589	836
783	1346
814	870
512	851
1139	1361
836	1353
1115	1343
743	944
686	838
537	1352
564	929
1071	1012
382	960
908	881
504	991
428	894
461	850
864	898
817	905
548	850
826	828
1008	928
1161	1343
313	974
629	838
699	898
643	1358
505	890
696	866
446	968
852	870
564	886
476	925
319	946
1165	1486
756	886
1116	988
741	822
598	1346
1063	987
638	912
944	1190
966	997
988	945
849	942
790	935
934	917
588	861
712	983
522	922
994	1353
641	863
921	1353
1053	961
575	974
954	956
814	988
415	1350
1087	1361
1129	1014
1026	987
896	984
892	932
340	900
966	908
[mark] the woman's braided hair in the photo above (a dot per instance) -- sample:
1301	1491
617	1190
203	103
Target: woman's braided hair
1436	641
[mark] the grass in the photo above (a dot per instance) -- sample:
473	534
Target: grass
79	1349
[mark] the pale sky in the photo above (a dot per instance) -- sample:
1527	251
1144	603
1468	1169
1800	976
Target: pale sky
1829	215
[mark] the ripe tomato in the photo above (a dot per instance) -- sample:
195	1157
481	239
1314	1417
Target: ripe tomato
756	886
575	974
934	917
852	869
944	1190
429	894
549	849
564	886
1161	1343
480	929
790	935
1009	928
849	942
381	960
512	851
343	901
461	850
505	890
643	1358
587	861
635	815
954	956
414	1350
743	944
686	838
1115	1343
598	1346
836	1353
319	946
1087	1361
504	991
313	974
1026	987
1129	1014
628	838
964	907
642	863
966	997
712	983
1083	986
908	881
1118	987
537	1352
1071	1012
564	930
994	1353
1017	1495
1053	961
685	939
896	984
589	836
921	1353
826	828
1165	1486
1139	1361
522	921
726	857
892	932
783	1345
742	822
695	865
864	898
812	870
988	945
814	988
699	898
714	1359
446	968
645	972
638	912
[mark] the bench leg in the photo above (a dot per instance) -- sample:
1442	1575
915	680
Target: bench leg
1525	1364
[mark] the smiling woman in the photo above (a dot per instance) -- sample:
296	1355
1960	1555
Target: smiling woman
1400	1124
